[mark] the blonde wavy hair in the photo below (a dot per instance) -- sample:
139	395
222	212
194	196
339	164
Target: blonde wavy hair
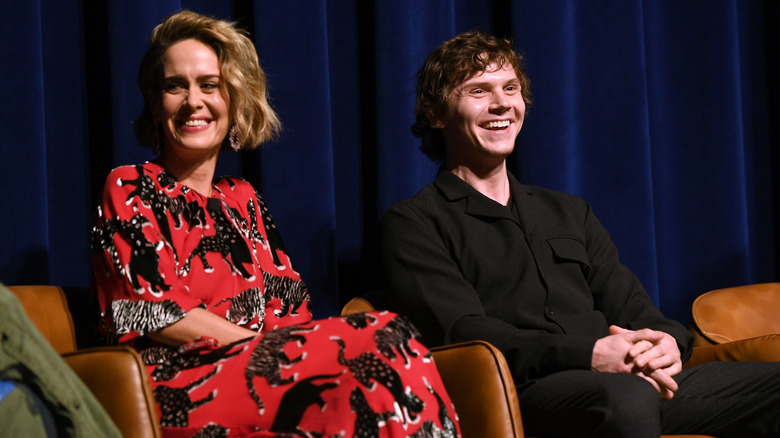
244	79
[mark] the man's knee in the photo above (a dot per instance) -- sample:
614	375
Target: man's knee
626	405
586	403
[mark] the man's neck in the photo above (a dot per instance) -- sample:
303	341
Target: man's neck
492	182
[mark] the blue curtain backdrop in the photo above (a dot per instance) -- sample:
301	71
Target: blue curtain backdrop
662	113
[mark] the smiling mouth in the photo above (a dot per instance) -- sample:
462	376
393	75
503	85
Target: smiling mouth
501	124
194	123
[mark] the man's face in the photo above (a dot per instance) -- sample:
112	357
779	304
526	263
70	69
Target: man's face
484	116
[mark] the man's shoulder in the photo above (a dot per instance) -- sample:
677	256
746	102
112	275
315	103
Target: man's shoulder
429	198
548	195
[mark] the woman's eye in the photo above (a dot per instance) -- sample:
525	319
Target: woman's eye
173	88
209	86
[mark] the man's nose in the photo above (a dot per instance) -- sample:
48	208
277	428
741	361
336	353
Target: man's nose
499	100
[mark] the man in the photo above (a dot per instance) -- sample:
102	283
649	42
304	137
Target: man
477	255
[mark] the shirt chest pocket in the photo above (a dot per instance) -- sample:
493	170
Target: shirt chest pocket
569	250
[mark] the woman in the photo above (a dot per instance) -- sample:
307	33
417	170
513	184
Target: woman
193	274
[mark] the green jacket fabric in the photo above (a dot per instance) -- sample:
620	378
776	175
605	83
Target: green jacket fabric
27	357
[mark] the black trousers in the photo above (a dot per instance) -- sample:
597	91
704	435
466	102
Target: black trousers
723	399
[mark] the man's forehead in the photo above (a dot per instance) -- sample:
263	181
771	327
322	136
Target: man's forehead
504	72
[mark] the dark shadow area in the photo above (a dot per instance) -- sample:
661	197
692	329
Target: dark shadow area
30	267
98	76
771	21
86	314
359	270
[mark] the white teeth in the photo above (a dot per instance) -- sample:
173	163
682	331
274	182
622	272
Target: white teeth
501	124
199	122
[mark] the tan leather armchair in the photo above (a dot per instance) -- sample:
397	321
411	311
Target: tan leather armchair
737	324
477	378
735	313
115	375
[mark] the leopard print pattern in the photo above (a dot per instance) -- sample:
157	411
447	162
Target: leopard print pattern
255	236
274	239
360	320
268	359
368	422
175	403
369	370
227	242
102	239
212	431
430	429
147	195
396	336
298	398
178	361
292	293
245	306
161	204
144	259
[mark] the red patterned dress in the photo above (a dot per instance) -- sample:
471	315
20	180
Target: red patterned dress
161	249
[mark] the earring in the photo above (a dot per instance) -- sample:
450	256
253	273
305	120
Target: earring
235	140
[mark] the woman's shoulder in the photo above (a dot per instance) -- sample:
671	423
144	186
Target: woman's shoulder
132	172
236	187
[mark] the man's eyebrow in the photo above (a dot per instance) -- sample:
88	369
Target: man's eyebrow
486	84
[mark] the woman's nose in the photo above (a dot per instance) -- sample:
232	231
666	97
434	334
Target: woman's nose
194	98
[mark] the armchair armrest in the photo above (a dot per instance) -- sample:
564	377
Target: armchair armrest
759	349
118	379
478	381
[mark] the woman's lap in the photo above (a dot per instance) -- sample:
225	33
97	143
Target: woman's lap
326	376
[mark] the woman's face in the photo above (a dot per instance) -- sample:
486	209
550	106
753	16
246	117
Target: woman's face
194	106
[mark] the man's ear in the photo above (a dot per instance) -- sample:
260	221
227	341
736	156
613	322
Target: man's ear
436	117
437	120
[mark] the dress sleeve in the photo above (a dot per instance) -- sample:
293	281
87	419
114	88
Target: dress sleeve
428	286
287	299
135	265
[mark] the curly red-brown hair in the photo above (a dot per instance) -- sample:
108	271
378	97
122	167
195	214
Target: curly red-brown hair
453	62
